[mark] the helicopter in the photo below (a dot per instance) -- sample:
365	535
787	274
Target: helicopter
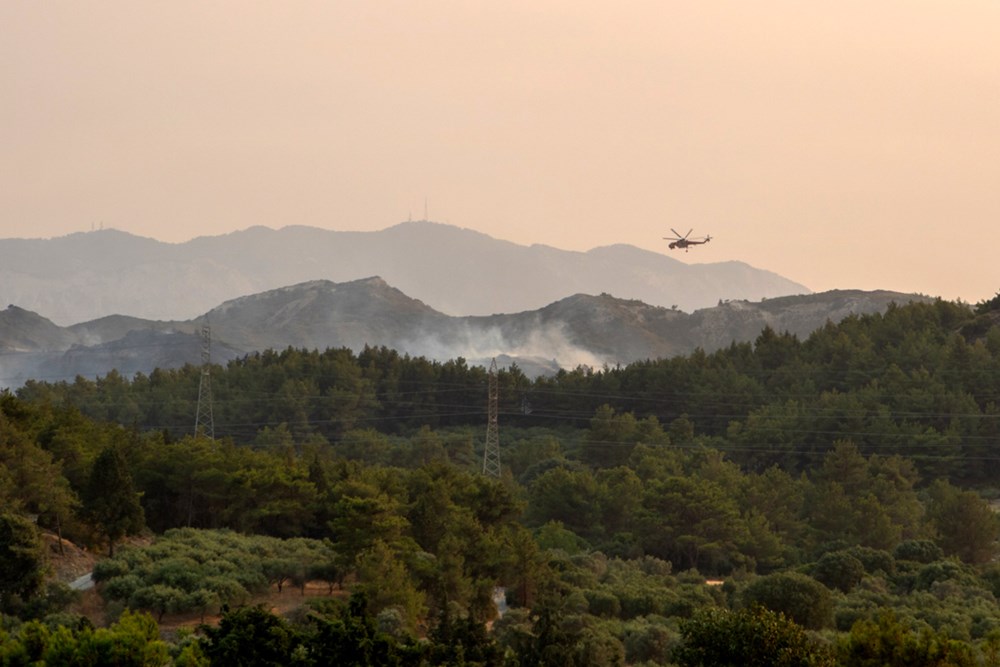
678	241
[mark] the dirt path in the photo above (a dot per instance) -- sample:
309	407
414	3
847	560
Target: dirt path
69	561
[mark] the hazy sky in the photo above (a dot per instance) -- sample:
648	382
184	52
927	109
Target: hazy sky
848	144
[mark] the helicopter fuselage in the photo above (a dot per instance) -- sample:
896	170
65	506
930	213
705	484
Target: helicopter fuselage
678	241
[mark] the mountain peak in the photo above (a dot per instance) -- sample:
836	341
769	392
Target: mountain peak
25	330
454	270
592	330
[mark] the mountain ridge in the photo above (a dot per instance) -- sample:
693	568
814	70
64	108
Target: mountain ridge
458	271
581	329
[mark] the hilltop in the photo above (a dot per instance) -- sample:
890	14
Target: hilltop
86	276
582	329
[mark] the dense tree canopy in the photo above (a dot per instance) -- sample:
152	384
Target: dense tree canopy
21	559
912	381
826	481
752	637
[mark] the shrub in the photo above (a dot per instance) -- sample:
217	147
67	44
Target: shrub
874	560
753	637
799	597
648	641
603	603
943	570
838	569
921	551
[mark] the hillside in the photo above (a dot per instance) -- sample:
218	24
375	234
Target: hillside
578	330
843	482
86	276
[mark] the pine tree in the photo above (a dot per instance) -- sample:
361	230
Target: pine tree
110	500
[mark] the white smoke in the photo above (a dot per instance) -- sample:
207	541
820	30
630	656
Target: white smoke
544	342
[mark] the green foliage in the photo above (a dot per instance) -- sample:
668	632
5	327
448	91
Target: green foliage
110	499
649	639
463	641
920	551
944	570
629	589
133	641
31	478
838	569
252	636
387	583
875	561
194	570
555	633
867	501
21	559
988	305
967	526
569	497
799	597
694	522
611	437
754	637
553	535
50	601
353	639
758	459
363	514
902	382
885	642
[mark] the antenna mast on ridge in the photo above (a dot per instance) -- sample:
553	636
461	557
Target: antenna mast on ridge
491	455
204	424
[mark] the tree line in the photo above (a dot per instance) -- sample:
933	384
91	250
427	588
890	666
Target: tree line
920	380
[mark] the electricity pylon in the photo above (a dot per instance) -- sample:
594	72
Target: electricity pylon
491	455
204	424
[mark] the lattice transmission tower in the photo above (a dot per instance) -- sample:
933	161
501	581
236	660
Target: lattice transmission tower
204	423
491	455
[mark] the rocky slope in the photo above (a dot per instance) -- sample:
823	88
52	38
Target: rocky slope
578	330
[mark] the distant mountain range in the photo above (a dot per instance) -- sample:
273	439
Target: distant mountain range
85	276
580	329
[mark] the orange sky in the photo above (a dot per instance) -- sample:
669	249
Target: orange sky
842	145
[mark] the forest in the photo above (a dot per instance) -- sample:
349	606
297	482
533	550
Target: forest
826	501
